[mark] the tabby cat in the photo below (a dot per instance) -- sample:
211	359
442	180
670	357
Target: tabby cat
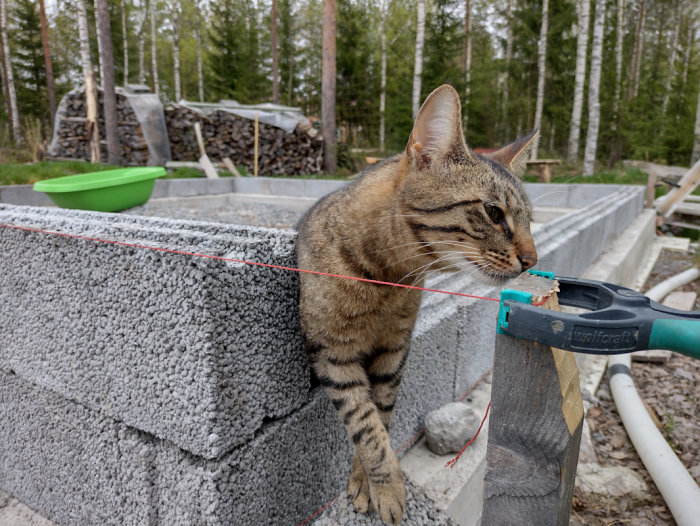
436	206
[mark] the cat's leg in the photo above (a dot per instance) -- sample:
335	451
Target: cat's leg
385	371
343	375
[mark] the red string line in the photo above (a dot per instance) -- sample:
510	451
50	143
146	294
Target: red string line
452	462
232	260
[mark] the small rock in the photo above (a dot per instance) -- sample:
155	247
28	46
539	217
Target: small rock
610	484
447	429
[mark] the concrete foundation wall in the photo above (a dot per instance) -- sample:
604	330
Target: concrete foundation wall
149	387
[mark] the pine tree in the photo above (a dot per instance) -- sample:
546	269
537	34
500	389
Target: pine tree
30	71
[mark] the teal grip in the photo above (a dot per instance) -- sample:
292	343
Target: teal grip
682	336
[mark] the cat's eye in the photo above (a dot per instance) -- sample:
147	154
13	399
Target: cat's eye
495	214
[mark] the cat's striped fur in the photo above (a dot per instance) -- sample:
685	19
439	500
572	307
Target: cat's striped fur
437	206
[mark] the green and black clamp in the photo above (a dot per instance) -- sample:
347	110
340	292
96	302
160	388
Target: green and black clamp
620	320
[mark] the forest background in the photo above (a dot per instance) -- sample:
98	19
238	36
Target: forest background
647	57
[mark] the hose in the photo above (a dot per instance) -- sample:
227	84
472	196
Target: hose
677	486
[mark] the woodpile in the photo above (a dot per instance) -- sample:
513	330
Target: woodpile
228	135
71	139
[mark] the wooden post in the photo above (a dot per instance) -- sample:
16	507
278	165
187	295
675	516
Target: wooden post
535	427
93	131
255	154
651	190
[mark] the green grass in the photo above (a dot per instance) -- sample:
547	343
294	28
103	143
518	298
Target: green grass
30	173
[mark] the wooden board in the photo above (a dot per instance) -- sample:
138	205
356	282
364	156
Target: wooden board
535	427
687	184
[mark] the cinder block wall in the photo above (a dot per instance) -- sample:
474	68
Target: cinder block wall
142	387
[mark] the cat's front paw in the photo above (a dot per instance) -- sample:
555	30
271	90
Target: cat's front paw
388	493
358	487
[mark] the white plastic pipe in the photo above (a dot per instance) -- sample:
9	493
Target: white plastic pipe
676	485
660	291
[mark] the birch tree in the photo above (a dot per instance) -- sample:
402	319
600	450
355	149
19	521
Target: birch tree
175	14
154	52
125	44
11	97
418	63
637	53
143	16
617	151
328	87
618	60
100	41
382	80
506	74
594	89
198	38
672	57
696	143
541	66
109	99
50	87
275	54
579	79
467	59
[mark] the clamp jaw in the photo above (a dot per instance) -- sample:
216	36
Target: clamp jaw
620	320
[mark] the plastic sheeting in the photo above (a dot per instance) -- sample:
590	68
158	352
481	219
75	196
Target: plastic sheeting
286	118
149	113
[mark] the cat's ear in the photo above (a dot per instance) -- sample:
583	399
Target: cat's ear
437	131
515	155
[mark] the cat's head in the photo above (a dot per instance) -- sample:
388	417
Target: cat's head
470	211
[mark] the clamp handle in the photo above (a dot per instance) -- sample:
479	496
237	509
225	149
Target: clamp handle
620	320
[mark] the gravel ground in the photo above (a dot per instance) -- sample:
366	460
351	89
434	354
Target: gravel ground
239	213
671	391
420	511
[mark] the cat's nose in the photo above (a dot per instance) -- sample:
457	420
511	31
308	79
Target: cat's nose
527	259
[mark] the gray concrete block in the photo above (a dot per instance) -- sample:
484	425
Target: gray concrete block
194	350
428	377
23	194
69	463
289	471
77	466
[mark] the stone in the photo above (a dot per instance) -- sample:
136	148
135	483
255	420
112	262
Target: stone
447	429
609	484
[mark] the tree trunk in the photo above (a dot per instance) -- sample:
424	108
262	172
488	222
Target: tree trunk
418	63
696	143
637	54
100	41
467	59
541	66
176	49
50	88
90	85
617	151
200	74
12	112
506	76
672	57
125	45
580	79
328	87
275	54
143	15
382	91
154	55
109	99
594	89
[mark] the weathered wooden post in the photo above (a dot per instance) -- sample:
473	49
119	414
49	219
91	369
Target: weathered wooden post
535	426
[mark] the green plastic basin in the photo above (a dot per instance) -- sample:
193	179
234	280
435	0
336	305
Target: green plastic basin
109	191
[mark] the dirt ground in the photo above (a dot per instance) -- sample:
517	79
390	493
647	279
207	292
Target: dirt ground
671	391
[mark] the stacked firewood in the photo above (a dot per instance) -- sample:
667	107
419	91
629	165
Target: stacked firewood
228	135
72	133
